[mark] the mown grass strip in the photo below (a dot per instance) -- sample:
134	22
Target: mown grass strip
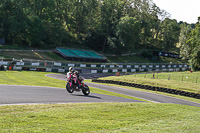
161	82
100	117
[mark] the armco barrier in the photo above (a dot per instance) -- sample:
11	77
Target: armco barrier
105	67
41	63
153	88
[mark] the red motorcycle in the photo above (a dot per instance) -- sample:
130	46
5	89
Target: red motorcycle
76	83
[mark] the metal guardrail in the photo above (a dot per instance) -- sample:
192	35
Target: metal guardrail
104	67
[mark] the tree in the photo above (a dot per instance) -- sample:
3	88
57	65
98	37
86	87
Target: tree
183	41
127	32
170	33
194	44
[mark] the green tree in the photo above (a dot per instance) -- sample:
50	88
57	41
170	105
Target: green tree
170	34
194	44
183	41
127	32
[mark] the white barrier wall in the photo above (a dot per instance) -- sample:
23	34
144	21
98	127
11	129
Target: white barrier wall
105	71
141	70
103	65
17	68
35	64
120	66
3	63
144	66
150	66
124	70
128	66
112	66
20	63
57	64
93	65
83	65
33	69
133	70
93	71
115	70
48	69
71	65
136	66
61	70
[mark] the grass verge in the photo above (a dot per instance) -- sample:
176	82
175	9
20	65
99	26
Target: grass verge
162	81
100	117
91	117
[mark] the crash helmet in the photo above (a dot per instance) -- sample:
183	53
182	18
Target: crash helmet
71	69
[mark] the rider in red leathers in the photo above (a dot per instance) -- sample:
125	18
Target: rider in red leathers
70	73
73	73
76	82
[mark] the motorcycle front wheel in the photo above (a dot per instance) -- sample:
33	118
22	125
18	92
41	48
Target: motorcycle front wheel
69	89
86	90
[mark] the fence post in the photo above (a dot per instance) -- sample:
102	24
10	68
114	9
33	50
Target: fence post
145	75
153	76
157	75
169	77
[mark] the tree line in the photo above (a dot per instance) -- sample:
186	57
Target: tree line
190	44
103	25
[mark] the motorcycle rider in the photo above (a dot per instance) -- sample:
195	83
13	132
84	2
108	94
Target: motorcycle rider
70	73
73	73
75	82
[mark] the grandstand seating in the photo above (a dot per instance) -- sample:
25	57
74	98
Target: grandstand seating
66	52
94	55
80	55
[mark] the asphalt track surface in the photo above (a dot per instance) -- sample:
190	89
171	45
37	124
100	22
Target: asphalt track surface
16	95
139	94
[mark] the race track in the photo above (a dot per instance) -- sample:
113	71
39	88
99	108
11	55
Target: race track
16	95
12	95
139	94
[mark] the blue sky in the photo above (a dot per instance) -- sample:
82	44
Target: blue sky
181	10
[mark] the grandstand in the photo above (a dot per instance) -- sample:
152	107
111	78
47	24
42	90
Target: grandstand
80	55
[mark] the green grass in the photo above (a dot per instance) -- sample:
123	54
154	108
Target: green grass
51	56
13	47
100	117
39	79
188	85
92	117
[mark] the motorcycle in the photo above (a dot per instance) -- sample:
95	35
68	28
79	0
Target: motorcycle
76	83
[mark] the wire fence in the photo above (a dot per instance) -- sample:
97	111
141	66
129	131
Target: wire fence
188	77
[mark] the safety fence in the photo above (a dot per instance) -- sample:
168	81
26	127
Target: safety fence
51	66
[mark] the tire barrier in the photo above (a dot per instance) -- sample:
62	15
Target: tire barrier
153	88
